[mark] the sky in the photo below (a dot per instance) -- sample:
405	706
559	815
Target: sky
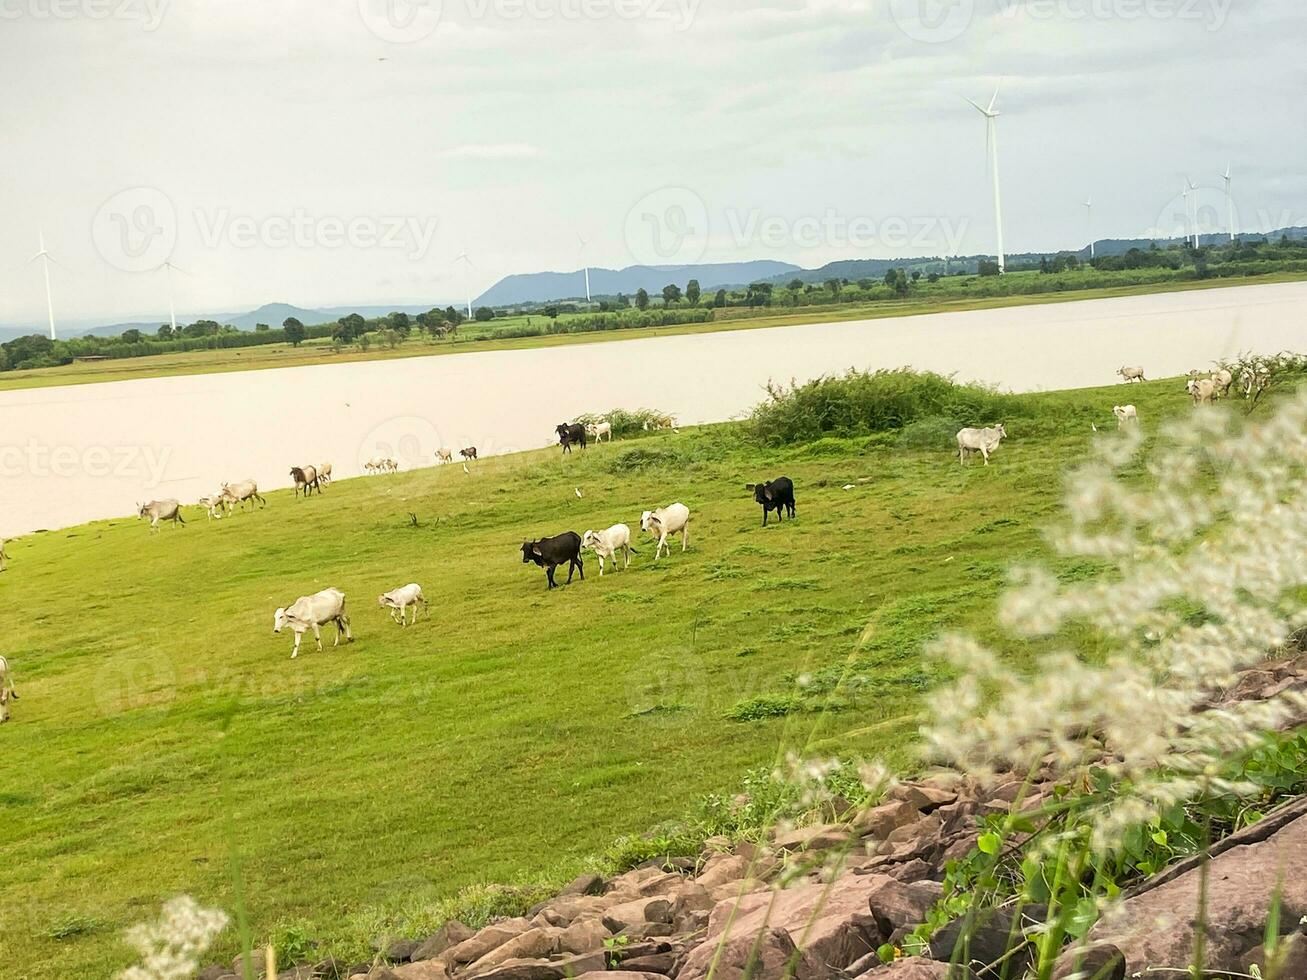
337	152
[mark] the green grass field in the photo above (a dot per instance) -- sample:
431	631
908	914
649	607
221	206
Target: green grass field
478	337
164	736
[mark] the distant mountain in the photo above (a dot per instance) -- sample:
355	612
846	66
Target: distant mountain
539	287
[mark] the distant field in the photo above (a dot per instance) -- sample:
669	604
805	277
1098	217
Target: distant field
478	337
164	736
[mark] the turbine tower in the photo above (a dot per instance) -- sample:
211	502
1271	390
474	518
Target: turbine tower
168	267
1229	202
44	256
467	290
581	255
991	138
1089	221
1188	228
1190	187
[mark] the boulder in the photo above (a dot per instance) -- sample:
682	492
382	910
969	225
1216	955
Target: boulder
751	957
989	936
619	975
450	934
895	903
723	868
1156	927
631	914
656	963
819	837
912	968
586	884
923	797
491	937
879	822
1096	963
530	945
555	969
582	936
401	950
433	969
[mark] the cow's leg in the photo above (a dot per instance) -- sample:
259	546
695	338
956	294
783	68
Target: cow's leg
349	636
685	538
985	453
580	566
317	636
295	650
601	566
549	574
764	515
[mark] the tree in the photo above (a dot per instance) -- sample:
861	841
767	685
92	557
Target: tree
349	327
834	286
642	298
454	316
720	299
295	331
692	292
202	328
132	336
400	323
551	312
671	294
484	314
796	286
261	328
164	332
988	268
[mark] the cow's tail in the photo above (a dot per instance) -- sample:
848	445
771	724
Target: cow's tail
180	519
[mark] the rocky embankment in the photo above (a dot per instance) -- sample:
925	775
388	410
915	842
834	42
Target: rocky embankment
815	903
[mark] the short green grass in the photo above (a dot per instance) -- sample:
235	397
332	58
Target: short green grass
164	736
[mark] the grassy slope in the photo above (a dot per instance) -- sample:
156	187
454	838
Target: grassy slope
511	732
320	352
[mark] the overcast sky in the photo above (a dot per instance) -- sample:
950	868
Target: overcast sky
331	152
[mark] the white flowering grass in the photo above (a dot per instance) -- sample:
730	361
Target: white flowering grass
1209	556
170	948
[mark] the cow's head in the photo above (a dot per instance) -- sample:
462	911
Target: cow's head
763	493
588	539
531	552
278	620
381	601
646	520
1002	432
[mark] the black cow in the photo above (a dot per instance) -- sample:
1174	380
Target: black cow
549	553
777	494
569	433
469	453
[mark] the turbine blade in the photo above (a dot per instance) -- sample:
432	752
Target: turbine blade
977	105
994	100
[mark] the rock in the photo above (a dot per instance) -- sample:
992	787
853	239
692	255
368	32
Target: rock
733	889
985	938
722	868
533	944
213	973
1290	958
619	975
911	968
587	884
923	829
401	950
582	936
631	914
256	964
656	963
751	957
384	973
896	904
481	943
556	969
450	934
1097	963
923	798
434	969
881	821
815	838
1156	927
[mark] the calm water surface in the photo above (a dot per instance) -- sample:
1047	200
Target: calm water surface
74	454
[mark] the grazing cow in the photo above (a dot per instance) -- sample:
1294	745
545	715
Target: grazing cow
444	455
324	473
1125	415
398	601
1131	373
469	453
1201	390
306	479
212	505
3	557
774	496
161	510
238	493
568	433
983	441
607	543
664	522
372	466
597	431
1222	379
549	553
660	422
310	612
7	692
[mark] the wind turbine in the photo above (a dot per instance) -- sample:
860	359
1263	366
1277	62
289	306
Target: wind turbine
45	258
1190	187
1229	202
1089	221
467	290
172	312
1188	228
581	255
991	138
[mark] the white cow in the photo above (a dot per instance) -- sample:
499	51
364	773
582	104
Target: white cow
240	492
3	557
7	691
161	510
1201	390
1223	379
444	455
398	600
664	522
1125	415
311	612
607	543
983	441
1131	373
598	430
212	505
324	472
